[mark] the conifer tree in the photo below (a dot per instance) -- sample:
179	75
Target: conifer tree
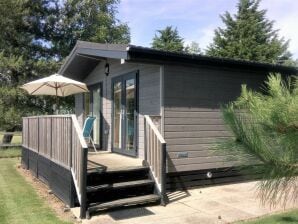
168	39
193	48
249	35
265	126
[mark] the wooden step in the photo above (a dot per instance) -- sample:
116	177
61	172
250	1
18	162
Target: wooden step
114	186
117	170
95	177
151	198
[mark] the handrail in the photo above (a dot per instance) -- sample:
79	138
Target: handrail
155	155
79	131
60	139
154	128
79	164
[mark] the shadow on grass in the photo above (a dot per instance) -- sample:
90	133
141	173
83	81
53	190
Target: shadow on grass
287	219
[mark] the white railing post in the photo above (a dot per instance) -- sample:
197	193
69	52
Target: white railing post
155	155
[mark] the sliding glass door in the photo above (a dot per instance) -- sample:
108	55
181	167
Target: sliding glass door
124	114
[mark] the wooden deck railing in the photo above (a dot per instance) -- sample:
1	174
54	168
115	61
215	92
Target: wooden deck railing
155	155
60	139
79	164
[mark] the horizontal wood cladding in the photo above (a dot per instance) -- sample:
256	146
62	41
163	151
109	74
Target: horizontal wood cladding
197	153
192	141
188	147
193	127
58	178
199	159
193	122
197	134
206	87
193	114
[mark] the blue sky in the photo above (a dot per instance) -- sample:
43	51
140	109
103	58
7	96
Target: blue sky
197	19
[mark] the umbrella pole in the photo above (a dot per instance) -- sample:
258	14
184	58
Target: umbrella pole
57	106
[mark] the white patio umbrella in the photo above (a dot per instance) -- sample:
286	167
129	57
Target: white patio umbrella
55	85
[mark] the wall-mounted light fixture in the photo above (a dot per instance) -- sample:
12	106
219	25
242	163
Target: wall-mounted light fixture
107	69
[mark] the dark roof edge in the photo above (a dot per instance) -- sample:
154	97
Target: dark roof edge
116	51
139	53
68	59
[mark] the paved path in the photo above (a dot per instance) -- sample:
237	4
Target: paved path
217	204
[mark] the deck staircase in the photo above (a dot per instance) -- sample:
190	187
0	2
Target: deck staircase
119	187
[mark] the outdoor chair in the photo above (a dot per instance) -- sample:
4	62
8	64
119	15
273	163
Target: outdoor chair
87	129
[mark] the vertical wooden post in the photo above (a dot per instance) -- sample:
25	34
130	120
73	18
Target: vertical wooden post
51	131
38	140
163	177
28	133
71	146
83	183
145	140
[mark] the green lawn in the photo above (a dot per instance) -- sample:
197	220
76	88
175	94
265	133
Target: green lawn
282	218
19	203
16	139
10	152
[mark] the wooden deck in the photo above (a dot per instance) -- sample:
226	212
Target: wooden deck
111	161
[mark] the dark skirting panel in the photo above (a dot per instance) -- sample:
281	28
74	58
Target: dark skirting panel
25	158
61	183
33	161
184	180
57	177
44	173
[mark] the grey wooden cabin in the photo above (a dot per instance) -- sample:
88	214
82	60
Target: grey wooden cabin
159	107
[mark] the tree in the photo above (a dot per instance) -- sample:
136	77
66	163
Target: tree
36	36
265	127
89	20
168	39
249	35
193	48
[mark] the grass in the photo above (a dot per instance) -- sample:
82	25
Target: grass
282	218
19	203
16	139
10	152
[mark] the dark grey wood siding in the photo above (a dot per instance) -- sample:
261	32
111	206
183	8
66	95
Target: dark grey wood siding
192	119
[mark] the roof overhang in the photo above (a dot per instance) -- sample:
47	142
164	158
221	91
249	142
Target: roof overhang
87	55
143	54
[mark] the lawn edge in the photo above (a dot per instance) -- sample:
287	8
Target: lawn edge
265	216
42	190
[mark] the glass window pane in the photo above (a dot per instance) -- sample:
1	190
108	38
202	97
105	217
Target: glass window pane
117	115
130	109
96	113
